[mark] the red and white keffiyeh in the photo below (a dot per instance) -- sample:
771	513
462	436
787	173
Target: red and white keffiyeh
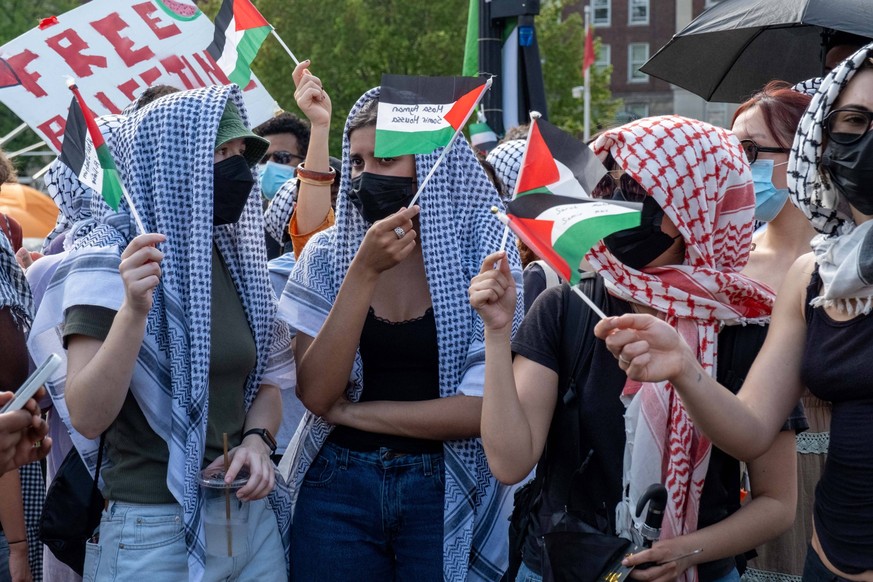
698	174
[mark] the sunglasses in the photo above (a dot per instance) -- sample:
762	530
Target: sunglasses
282	157
618	185
752	150
846	126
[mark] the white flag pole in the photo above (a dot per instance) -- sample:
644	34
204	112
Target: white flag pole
136	217
284	46
586	95
448	147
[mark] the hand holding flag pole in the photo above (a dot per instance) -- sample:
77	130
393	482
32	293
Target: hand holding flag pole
108	181
448	146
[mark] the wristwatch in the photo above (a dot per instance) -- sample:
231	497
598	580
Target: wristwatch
265	435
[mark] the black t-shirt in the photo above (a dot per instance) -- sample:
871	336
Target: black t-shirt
603	432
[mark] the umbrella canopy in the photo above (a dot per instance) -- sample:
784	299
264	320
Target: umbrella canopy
35	211
737	46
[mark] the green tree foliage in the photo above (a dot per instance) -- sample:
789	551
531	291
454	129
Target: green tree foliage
352	42
562	46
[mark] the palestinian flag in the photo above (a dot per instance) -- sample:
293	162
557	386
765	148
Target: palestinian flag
8	76
562	229
482	138
239	32
90	160
417	115
555	162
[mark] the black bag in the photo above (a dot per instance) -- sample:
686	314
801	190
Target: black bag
574	548
72	508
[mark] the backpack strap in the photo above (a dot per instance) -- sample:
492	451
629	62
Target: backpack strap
577	346
552	278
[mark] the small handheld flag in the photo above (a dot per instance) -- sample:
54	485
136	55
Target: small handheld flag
561	230
417	115
240	30
99	174
556	163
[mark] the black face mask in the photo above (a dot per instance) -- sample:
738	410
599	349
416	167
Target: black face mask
232	182
377	196
851	170
637	247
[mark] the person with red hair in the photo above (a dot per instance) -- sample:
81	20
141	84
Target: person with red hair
766	125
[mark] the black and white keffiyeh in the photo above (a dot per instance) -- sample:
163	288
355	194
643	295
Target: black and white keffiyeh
73	198
278	213
164	152
14	290
506	160
846	271
457	233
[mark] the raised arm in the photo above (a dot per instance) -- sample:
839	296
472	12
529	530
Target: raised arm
519	397
313	200
744	425
99	372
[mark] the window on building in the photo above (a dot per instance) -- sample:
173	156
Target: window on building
637	55
636	110
604	56
638	11
601	14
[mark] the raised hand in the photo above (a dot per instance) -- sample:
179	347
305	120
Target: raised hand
492	292
310	95
140	270
383	247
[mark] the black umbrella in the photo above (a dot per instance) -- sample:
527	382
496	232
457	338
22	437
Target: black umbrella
737	46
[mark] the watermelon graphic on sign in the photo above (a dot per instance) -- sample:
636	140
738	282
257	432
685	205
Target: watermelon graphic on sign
179	10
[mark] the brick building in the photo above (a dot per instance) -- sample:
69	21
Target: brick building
631	31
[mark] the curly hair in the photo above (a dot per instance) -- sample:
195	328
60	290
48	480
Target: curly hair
7	170
286	122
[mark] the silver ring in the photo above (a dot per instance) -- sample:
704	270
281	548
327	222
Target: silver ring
622	360
37	444
399	233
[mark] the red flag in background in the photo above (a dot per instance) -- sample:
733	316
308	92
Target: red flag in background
588	60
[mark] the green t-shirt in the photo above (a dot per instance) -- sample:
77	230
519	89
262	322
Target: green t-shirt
139	456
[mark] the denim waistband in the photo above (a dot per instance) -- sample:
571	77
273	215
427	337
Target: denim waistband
384	457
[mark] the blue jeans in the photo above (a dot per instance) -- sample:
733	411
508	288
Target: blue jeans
525	574
369	516
814	569
148	542
5	575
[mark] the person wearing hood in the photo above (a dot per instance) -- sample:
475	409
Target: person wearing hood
171	339
820	332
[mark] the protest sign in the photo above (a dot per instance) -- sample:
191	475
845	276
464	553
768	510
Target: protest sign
114	50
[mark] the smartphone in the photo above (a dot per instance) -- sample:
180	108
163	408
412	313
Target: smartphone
32	384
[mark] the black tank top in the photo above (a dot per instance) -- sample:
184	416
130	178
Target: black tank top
836	367
401	363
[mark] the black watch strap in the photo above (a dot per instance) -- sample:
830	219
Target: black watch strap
265	435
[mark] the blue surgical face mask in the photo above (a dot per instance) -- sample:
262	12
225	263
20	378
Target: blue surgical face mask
769	200
273	175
